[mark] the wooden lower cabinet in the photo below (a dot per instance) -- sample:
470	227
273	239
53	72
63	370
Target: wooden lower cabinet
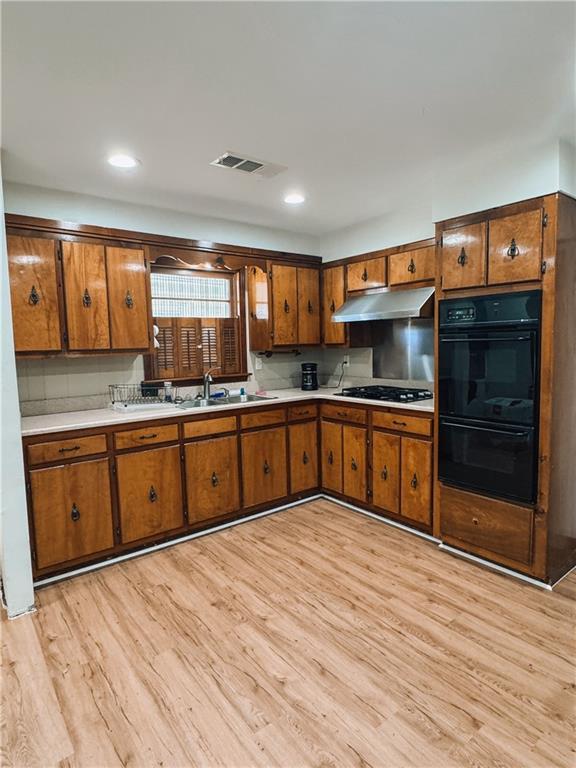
264	466
416	480
303	439
386	471
212	481
354	462
72	511
149	493
331	451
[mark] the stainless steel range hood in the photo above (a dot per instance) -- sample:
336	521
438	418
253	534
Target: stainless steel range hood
385	304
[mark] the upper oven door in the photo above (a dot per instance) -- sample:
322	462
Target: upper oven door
490	375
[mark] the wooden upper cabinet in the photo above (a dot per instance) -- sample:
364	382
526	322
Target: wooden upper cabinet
515	248
354	462
72	511
333	296
149	492
463	256
284	305
127	298
264	476
86	296
416	483
303	456
386	471
370	273
258	308
308	305
412	266
212	480
34	294
331	443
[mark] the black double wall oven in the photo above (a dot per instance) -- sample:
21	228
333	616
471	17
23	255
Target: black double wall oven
488	394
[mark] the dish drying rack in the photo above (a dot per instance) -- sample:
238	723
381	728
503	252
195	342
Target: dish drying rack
135	397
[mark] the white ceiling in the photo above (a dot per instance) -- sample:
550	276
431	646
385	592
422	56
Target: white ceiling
361	101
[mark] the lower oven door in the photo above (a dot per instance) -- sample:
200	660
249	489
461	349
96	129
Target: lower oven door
493	459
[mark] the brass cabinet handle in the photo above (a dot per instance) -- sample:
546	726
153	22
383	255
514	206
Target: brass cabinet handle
310	307
365	275
330	458
67	450
475	520
342	414
75	513
266	467
128	300
513	249
215	480
354	465
384	473
463	258
286	306
151	436
152	495
412	266
34	297
86	298
332	306
399	423
414	481
305	458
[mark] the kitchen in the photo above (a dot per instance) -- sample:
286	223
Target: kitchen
231	433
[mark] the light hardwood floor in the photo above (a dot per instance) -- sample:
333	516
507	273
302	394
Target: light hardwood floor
315	637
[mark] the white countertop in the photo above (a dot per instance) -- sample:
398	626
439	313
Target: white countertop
102	417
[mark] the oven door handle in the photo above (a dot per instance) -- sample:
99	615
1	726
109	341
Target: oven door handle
446	340
523	433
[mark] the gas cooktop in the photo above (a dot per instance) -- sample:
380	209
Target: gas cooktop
391	394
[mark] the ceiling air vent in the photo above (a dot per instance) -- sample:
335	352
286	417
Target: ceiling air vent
237	162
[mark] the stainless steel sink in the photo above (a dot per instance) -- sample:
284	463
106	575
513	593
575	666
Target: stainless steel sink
230	400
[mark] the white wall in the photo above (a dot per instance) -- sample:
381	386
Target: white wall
85	209
16	566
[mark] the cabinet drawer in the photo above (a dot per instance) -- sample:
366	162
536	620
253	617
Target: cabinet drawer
366	274
262	418
416	425
137	438
296	412
71	448
489	524
344	413
209	427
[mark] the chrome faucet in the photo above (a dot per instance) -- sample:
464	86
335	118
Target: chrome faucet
207	381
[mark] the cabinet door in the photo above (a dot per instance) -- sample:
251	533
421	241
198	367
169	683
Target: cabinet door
149	492
416	483
308	306
128	298
258	309
515	248
86	297
333	296
367	274
212	478
354	462
412	266
264	466
34	294
284	305
72	511
303	456
331	441
464	256
386	471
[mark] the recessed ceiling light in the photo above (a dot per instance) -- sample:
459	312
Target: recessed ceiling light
122	160
294	198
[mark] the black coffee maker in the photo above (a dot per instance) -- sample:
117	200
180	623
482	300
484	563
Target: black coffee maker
309	376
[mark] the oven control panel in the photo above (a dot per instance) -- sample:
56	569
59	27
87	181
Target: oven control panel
457	314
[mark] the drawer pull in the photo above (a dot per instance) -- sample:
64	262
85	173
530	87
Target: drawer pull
151	436
305	458
34	297
399	423
75	513
414	481
365	275
86	298
462	258
411	267
67	450
152	495
475	520
330	458
266	467
513	249
310	307
286	306
128	300
354	465
342	414
215	480
384	473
